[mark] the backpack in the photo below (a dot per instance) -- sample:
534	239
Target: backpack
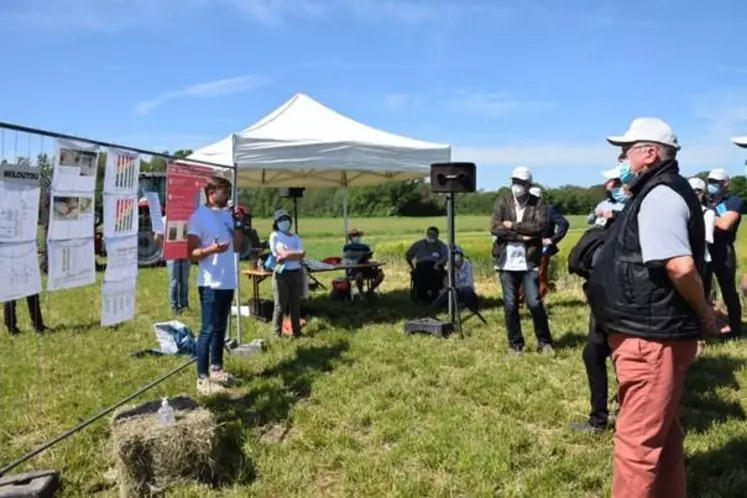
581	257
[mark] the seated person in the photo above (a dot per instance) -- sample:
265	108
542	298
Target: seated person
357	252
464	280
427	259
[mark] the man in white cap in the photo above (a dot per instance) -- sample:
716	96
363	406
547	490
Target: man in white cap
617	196
723	263
646	292
518	224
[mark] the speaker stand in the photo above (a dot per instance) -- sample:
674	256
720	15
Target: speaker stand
451	294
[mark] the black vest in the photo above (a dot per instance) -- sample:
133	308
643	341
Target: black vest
639	299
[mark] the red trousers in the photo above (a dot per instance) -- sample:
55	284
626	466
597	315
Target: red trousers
649	460
544	271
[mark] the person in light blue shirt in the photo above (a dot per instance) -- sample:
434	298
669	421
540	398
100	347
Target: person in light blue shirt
607	210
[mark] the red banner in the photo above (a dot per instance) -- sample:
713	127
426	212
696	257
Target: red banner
184	184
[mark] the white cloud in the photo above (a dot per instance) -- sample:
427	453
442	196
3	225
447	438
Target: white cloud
216	88
495	104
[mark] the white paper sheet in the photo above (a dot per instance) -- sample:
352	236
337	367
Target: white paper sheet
72	263
71	216
117	301
75	167
19	203
121	258
122	172
156	216
19	271
120	215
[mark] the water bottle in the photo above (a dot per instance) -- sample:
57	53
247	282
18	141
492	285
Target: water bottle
166	413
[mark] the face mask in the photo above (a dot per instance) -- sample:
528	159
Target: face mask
430	240
618	195
458	259
714	188
284	226
626	175
355	240
518	190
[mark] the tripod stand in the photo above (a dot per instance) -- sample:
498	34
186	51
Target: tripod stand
452	294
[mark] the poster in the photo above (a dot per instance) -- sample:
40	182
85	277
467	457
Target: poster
121	258
19	271
71	263
19	203
117	301
75	167
122	172
71	216
156	212
184	195
120	215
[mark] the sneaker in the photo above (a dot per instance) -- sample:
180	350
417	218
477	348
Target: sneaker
586	427
221	377
515	351
545	348
208	388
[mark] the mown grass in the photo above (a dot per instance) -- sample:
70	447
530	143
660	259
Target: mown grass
358	408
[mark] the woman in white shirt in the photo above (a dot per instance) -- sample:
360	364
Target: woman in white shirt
709	217
287	279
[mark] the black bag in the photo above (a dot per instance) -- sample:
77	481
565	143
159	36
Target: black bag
581	257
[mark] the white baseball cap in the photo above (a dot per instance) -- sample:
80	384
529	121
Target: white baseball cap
279	214
535	191
740	141
697	183
647	130
522	173
719	175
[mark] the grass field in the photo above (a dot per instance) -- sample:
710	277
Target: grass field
357	408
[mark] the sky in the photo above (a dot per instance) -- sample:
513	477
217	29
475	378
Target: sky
537	83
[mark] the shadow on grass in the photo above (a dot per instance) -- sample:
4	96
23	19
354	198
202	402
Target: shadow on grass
279	389
718	473
572	302
702	404
570	340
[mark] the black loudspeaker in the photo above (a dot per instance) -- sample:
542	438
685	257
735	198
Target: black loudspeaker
292	192
453	178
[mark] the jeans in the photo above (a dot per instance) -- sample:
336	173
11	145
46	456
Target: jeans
178	283
725	271
511	282
596	352
215	305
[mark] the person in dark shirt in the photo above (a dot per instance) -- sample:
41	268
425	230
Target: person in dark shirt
723	263
356	251
557	228
427	259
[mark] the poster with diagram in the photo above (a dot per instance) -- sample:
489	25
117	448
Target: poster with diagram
120	215
19	203
122	172
121	258
71	216
71	264
19	271
117	301
75	167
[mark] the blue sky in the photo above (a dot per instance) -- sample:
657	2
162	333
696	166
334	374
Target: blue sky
536	83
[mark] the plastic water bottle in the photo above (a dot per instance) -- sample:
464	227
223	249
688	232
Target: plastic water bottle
166	413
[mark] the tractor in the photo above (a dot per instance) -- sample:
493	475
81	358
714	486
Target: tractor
148	251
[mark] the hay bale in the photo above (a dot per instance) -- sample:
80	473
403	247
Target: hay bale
150	457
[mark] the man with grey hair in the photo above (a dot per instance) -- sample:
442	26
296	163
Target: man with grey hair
646	292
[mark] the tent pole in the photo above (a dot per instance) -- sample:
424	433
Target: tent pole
236	257
345	211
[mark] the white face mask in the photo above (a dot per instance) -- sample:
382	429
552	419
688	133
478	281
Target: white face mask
284	226
355	240
518	190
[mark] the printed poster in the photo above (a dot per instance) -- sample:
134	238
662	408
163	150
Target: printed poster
75	167
120	215
71	216
122	172
156	212
19	271
121	258
19	203
117	301
71	263
184	194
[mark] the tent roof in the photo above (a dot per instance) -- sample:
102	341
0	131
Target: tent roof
305	144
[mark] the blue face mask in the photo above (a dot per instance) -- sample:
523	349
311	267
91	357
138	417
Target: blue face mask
714	188
284	226
618	194
626	175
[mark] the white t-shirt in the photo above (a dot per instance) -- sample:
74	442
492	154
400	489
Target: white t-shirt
287	242
516	252
709	217
217	271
